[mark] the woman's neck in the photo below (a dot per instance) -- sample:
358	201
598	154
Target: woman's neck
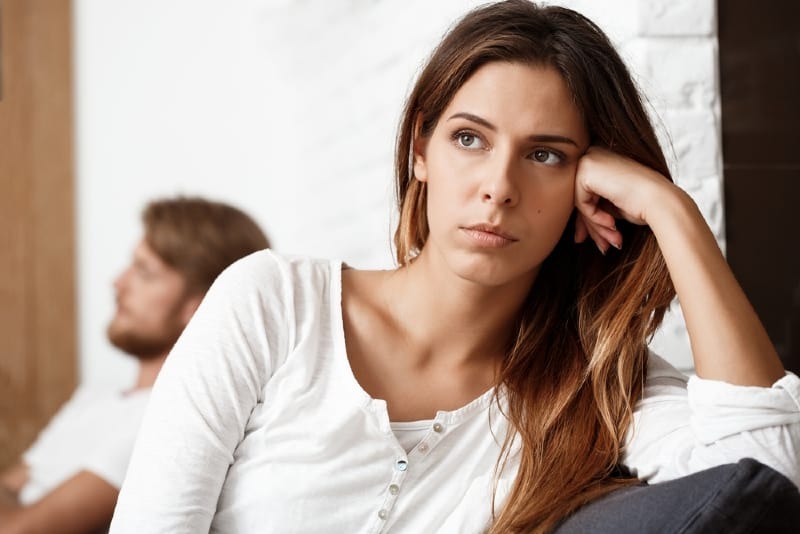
446	315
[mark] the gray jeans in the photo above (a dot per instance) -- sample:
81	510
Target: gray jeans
734	498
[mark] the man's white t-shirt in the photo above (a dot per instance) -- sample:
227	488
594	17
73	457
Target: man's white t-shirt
94	431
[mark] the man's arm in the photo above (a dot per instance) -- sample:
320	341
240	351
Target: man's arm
14	478
8	504
11	482
83	503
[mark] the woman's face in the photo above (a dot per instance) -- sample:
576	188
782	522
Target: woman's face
500	169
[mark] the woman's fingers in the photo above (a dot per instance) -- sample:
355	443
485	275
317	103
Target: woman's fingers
601	216
598	217
612	237
601	242
581	233
603	236
608	185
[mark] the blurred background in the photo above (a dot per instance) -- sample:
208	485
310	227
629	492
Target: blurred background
288	109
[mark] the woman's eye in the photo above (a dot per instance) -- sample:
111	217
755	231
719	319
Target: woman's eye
468	140
548	157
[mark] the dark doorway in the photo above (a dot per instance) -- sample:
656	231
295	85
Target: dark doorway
760	84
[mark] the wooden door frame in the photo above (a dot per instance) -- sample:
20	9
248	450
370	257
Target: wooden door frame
38	363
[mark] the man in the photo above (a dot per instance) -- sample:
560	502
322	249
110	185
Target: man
68	481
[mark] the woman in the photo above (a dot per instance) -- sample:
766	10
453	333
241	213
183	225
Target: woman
498	377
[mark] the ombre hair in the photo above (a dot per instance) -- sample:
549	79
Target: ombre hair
576	364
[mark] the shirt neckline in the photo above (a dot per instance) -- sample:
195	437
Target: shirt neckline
364	398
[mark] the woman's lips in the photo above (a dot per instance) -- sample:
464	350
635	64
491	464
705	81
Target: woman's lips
488	236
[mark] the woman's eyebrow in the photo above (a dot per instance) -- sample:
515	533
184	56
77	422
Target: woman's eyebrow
541	138
548	138
473	118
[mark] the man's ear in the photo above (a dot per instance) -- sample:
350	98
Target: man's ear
418	150
190	304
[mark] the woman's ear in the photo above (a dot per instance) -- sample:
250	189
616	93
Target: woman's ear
418	149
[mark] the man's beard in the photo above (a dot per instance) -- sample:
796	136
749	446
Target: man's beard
144	347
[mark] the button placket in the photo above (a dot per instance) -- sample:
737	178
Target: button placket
394	488
435	434
401	467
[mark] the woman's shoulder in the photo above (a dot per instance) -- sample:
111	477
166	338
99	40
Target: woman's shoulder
267	260
278	289
267	268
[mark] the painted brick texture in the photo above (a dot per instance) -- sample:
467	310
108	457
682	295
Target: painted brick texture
289	109
354	62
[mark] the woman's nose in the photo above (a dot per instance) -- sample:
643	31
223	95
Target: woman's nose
499	186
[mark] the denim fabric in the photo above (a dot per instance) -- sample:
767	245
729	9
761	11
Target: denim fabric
745	497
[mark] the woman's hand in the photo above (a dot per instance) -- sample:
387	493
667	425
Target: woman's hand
608	187
728	341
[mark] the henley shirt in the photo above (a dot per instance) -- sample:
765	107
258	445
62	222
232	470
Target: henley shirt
257	424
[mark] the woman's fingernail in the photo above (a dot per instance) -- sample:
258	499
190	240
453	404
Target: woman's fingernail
617	246
603	252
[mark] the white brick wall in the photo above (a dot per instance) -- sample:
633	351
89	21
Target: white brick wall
675	54
289	108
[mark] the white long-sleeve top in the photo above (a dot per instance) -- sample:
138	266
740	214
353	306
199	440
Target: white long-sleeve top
257	424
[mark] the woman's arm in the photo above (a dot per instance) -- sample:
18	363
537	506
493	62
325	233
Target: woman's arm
201	403
728	340
683	426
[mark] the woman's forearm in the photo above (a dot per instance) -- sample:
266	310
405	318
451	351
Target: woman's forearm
728	340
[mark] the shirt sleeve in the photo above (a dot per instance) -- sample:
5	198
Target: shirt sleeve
682	425
202	399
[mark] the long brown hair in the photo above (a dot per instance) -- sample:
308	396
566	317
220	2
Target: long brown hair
576	365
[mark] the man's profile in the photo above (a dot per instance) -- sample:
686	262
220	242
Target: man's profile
69	479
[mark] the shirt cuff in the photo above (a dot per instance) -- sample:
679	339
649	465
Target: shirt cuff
720	409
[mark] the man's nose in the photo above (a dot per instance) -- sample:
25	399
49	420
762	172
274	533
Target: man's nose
121	280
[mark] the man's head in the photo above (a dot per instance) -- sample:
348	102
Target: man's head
187	242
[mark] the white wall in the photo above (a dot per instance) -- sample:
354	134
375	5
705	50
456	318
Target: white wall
289	109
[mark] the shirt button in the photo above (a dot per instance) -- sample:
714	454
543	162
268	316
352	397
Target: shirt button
394	489
401	465
423	447
437	427
382	514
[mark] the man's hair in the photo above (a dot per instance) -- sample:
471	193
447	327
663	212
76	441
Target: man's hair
199	238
